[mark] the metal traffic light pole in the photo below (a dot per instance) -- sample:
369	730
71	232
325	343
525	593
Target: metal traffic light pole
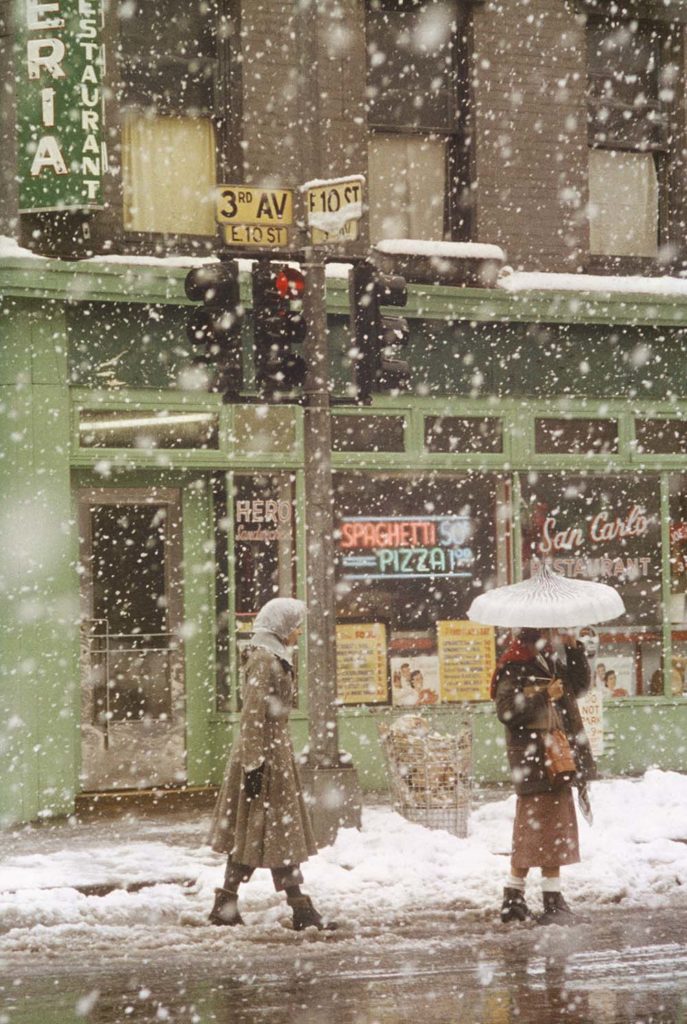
333	787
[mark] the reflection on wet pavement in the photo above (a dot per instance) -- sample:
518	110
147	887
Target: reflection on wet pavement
617	969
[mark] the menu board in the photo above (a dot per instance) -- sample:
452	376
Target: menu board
466	660
361	663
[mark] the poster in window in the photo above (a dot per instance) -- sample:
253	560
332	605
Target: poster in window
466	660
361	663
415	680
591	710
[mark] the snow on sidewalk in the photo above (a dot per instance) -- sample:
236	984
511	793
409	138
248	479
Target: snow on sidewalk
635	854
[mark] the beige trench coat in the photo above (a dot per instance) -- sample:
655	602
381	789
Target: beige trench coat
274	829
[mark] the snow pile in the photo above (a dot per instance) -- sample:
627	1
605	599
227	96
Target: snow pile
635	854
530	281
442	250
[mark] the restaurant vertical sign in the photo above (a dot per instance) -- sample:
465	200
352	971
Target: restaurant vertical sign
61	148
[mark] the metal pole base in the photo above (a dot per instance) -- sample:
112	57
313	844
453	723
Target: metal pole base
334	798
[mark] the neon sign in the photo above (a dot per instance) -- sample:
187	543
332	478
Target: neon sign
406	547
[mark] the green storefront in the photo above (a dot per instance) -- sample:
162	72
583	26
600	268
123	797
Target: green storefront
144	522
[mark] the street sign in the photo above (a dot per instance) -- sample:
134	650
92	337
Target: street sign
61	150
256	234
244	204
334	209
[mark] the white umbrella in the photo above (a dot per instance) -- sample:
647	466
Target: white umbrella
547	600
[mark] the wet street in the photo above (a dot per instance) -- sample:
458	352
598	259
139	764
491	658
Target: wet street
618	966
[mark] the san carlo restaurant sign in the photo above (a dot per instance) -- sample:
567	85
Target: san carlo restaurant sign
59	69
406	547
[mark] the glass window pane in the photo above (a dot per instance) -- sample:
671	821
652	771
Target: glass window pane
661	436
168	174
624	60
677	680
408	187
623	203
148	430
575	436
368	433
412	552
463	434
260	511
606	529
412	61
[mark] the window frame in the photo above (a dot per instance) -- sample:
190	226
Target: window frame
225	115
458	216
672	202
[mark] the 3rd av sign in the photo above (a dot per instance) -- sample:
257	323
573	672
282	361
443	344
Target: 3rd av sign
254	216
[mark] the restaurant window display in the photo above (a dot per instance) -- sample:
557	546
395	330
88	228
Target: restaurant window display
677	682
412	552
605	529
255	530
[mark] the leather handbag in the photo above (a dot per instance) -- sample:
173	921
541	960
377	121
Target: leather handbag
558	756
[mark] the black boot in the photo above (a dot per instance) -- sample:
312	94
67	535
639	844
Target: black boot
305	915
514	907
226	908
556	910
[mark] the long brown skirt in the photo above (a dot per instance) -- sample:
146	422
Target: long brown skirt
545	830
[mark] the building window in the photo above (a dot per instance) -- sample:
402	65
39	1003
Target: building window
631	82
412	551
167	99
608	529
677	680
255	556
575	436
416	114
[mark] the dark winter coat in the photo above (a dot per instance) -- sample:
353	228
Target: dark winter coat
522	704
273	830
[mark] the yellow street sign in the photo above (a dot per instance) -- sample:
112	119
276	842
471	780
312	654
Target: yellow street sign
334	210
255	234
244	204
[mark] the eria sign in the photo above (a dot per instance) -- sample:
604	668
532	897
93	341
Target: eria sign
59	71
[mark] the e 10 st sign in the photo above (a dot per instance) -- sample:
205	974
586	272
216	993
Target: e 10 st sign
61	151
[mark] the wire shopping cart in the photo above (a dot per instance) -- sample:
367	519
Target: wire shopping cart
429	773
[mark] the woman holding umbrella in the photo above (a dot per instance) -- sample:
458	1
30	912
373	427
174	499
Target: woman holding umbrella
536	699
535	693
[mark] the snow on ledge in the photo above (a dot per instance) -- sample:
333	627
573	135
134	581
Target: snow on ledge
443	250
526	281
9	248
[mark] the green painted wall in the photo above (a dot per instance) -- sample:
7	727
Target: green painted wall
38	592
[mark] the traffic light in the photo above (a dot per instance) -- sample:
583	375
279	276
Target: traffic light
378	340
278	325
214	330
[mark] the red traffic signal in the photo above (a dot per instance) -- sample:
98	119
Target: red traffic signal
290	284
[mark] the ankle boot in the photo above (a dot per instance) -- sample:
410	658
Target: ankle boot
305	915
556	910
225	909
514	907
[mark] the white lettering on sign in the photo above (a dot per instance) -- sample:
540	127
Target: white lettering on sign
48	154
35	22
48	56
50	61
603	527
263	510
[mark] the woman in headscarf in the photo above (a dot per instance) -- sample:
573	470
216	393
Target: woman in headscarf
536	693
260	819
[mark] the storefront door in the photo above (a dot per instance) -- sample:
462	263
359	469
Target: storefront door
132	684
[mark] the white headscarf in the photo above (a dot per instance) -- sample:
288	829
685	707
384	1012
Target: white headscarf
274	622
